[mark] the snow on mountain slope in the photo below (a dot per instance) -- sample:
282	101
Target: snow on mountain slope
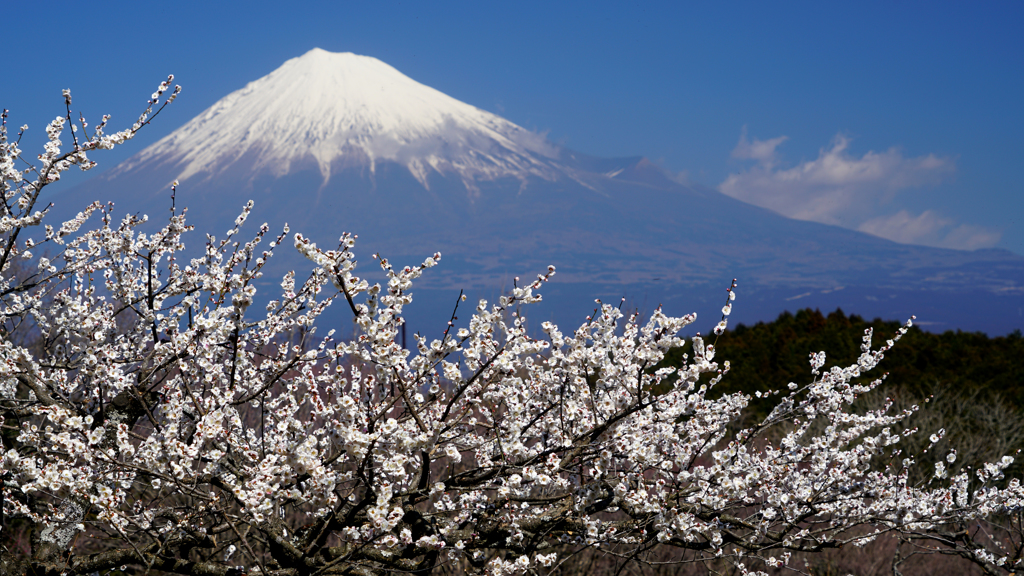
341	109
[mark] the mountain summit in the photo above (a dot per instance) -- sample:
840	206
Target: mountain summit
340	110
339	142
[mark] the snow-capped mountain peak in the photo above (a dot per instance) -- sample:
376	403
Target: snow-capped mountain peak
338	110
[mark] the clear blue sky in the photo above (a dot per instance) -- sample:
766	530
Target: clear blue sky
905	117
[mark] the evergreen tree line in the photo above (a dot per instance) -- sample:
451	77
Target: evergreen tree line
967	383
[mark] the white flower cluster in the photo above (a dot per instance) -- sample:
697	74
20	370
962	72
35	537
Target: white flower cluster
155	408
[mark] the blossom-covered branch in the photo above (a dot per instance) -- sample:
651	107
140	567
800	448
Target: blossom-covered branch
165	417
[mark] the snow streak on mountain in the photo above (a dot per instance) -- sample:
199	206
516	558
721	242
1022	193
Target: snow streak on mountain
344	110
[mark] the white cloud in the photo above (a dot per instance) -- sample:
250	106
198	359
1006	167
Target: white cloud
930	229
904	227
846	190
761	150
969	237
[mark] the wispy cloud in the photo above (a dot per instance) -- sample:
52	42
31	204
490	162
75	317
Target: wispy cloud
760	150
851	191
930	229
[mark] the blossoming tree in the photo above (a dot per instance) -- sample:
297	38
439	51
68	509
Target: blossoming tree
153	418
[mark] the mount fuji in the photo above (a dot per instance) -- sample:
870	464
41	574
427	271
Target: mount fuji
336	111
334	142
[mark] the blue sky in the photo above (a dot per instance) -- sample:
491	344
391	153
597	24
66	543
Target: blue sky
899	118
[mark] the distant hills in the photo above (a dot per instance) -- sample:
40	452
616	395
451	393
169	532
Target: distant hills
339	142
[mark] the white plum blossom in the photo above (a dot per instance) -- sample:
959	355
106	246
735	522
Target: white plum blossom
183	421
